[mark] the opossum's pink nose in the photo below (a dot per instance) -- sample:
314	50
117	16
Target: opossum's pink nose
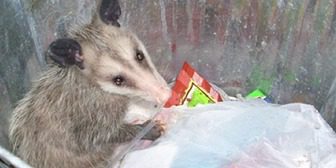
163	94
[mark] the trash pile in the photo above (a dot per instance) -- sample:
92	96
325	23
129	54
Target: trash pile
210	129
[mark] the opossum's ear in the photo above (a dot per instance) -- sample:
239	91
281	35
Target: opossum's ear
110	12
66	52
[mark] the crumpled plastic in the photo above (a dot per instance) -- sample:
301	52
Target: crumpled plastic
234	134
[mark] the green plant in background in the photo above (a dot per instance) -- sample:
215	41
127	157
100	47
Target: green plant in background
261	80
324	12
316	82
289	77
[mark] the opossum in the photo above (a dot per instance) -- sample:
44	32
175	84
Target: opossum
80	111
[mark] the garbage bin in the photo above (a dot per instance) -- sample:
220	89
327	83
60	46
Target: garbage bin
285	48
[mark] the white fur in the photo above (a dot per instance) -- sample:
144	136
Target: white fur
140	111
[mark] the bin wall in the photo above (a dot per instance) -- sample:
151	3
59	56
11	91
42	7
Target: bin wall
286	48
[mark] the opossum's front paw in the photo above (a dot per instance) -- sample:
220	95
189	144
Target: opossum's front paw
155	132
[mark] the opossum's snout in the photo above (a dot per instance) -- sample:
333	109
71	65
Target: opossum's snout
150	82
149	85
159	93
165	93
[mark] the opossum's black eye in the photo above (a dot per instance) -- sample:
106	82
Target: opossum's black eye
139	56
118	80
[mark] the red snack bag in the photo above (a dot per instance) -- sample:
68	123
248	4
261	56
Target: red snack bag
191	89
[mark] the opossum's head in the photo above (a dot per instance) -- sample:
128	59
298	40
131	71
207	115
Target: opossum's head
114	58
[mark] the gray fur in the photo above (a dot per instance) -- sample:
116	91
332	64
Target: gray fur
67	121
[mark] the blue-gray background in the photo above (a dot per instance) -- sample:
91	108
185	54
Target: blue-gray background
287	48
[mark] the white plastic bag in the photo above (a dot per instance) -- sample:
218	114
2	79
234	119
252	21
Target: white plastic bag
249	134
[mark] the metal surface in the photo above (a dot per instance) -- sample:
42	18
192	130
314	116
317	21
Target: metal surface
8	160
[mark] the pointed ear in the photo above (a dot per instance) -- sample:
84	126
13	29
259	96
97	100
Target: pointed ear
110	12
66	52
